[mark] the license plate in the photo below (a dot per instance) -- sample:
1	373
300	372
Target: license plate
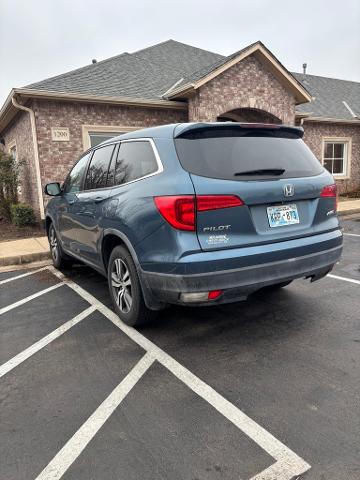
282	215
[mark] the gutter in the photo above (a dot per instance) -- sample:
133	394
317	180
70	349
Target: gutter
116	100
7	110
332	120
36	154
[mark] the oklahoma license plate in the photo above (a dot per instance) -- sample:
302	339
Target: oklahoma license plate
282	215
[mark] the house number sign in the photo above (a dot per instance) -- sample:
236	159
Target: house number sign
59	134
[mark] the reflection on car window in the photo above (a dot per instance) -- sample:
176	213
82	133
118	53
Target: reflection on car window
98	169
135	160
74	179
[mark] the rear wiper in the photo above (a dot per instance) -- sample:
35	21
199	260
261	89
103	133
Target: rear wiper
262	171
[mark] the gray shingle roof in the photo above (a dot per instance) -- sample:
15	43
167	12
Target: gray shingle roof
330	94
147	73
150	72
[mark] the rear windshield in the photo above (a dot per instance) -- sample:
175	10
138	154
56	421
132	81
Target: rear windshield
246	154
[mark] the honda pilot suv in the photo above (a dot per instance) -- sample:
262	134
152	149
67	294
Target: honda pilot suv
196	214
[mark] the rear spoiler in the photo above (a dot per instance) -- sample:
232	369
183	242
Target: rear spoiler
184	129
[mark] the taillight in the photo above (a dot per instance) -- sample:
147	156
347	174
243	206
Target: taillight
179	210
330	191
214	202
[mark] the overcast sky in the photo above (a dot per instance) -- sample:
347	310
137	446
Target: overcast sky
42	38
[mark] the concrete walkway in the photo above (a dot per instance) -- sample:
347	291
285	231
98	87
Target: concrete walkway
24	251
348	207
36	249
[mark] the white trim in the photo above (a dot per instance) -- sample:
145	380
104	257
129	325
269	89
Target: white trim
86	129
347	141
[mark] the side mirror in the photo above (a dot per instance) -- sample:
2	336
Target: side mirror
53	189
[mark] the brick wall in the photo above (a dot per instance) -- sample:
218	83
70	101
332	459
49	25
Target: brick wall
247	84
56	158
20	131
314	133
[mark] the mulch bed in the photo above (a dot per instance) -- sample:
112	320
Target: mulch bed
8	231
355	195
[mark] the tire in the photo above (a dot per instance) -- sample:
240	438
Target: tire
59	258
277	286
125	289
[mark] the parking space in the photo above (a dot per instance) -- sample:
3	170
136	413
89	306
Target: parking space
264	389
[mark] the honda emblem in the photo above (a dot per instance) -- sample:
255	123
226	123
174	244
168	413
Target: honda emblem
289	190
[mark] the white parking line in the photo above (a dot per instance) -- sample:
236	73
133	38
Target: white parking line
25	354
11	279
29	298
351	234
287	461
73	448
344	279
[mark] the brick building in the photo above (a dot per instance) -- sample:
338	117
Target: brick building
50	123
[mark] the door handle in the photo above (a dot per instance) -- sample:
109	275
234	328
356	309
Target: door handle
98	199
70	202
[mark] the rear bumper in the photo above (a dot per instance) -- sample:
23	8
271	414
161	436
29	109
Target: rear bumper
311	257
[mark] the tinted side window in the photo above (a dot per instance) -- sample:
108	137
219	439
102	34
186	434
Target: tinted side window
135	160
98	169
74	179
111	172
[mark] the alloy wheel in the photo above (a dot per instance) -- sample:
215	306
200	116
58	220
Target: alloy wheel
121	285
53	244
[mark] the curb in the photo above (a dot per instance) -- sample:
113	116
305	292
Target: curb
348	212
26	258
24	267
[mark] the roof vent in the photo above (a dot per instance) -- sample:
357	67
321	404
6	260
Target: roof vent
304	68
94	60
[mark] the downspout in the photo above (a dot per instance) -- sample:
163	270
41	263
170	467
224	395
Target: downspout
36	154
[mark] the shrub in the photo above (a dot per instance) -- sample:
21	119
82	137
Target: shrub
22	214
9	182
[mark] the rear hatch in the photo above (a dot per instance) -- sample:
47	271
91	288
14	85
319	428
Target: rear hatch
254	184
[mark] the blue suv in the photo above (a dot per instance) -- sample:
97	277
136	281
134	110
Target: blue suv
196	214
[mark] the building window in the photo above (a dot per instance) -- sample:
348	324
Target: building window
13	152
96	138
95	134
336	156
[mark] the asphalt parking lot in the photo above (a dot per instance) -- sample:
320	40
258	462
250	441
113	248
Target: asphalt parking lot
264	389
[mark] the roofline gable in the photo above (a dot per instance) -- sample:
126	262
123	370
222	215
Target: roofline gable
265	56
